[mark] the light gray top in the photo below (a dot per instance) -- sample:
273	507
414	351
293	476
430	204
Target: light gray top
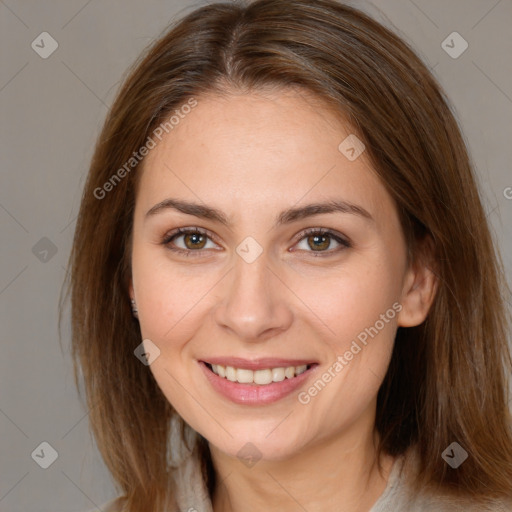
192	495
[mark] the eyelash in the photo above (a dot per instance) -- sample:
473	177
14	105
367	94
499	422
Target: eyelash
307	233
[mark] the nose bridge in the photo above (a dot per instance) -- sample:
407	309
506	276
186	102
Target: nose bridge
253	301
251	277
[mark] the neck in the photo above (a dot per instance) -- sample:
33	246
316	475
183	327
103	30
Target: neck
339	473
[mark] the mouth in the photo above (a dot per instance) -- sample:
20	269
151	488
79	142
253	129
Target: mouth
261	377
256	382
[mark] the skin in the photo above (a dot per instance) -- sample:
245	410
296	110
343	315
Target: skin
253	155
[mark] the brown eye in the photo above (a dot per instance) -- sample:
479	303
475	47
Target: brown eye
194	240
188	241
320	241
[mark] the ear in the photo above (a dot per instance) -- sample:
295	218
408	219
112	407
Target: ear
130	289
420	286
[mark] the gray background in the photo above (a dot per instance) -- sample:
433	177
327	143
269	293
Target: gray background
51	111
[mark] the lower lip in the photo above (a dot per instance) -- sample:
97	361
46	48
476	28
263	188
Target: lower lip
255	394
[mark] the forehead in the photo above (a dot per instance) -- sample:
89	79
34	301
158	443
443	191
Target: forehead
258	151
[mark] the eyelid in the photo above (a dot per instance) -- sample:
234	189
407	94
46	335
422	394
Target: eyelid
185	231
338	237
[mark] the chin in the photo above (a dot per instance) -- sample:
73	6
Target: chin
253	443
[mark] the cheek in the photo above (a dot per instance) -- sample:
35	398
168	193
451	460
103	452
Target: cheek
343	301
359	309
352	299
164	296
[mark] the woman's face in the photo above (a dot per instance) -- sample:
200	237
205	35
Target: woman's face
263	288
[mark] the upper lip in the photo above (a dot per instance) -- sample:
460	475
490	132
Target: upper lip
257	364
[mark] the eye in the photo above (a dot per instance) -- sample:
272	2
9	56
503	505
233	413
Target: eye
193	240
319	240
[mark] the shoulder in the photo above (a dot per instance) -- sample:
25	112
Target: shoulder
113	505
116	505
398	496
440	504
404	501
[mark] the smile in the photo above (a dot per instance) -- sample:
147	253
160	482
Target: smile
256	383
257	377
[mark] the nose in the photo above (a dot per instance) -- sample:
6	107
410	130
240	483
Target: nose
253	303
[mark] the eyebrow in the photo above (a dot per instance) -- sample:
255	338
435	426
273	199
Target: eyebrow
285	217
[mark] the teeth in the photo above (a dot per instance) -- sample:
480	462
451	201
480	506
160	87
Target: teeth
301	369
260	377
230	373
244	376
277	374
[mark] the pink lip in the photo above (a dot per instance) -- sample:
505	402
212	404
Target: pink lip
253	394
257	364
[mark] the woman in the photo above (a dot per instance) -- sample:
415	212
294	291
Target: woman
284	291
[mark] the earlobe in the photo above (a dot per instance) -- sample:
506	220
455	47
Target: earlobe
135	311
419	290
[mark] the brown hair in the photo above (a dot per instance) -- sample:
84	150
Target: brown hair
447	377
